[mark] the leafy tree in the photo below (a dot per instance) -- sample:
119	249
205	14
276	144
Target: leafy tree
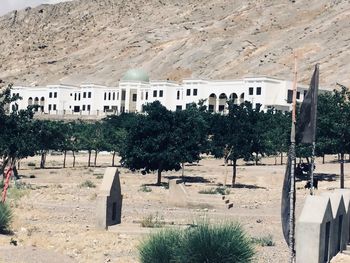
150	143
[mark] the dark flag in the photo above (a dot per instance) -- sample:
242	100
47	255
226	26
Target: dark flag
285	203
308	111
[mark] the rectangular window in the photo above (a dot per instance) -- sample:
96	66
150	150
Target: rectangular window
105	96
113	95
178	107
258	91
161	93
89	94
55	94
88	107
123	94
298	95
134	97
251	90
188	92
109	96
147	95
54	107
75	96
83	107
50	95
154	94
84	95
178	95
290	96
79	96
50	107
195	92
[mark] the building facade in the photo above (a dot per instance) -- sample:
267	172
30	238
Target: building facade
135	89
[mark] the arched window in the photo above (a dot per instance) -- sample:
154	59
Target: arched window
30	101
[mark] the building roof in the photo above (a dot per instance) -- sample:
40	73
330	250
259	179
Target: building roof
135	74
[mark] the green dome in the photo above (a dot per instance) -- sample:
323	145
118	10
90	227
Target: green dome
136	74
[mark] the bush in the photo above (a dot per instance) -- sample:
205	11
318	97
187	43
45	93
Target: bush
87	184
214	191
153	221
203	243
5	217
31	164
145	189
265	241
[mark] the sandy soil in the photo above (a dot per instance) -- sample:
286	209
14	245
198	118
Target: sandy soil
55	218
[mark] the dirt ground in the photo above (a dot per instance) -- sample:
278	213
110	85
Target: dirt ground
54	218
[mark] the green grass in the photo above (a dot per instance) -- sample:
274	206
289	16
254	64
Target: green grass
214	191
264	241
203	243
5	217
88	184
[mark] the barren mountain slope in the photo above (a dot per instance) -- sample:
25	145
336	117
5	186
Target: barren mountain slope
97	41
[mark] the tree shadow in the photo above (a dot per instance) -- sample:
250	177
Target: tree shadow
189	179
248	186
325	177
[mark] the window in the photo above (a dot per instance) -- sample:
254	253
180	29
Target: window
147	95
251	90
160	93
54	107
178	95
83	107
105	97
71	94
298	95
258	91
79	96
154	93
75	96
178	107
50	106
55	94
113	95
188	92
290	96
123	94
305	91
109	96
88	107
50	95
89	94
195	92
257	105
84	95
117	95
134	97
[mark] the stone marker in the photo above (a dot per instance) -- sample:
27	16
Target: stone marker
346	197
177	193
109	200
314	230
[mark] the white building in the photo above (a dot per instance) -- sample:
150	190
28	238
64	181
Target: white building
135	90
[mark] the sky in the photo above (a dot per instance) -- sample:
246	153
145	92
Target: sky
9	5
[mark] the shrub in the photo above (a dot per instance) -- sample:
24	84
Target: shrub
5	217
31	164
203	243
88	184
265	241
160	247
153	221
145	189
214	191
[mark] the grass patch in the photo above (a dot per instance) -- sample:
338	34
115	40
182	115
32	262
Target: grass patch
145	189
5	217
31	164
153	221
264	241
221	243
215	191
87	184
99	176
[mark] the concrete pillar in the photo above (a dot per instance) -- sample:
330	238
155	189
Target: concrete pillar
127	99
217	105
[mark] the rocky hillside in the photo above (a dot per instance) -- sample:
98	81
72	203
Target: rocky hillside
98	40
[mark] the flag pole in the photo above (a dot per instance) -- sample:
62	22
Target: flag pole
292	170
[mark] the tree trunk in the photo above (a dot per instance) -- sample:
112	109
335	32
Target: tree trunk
42	161
73	158
234	171
64	158
95	158
342	170
159	177
89	161
256	160
15	172
183	170
281	158
18	164
113	158
323	158
275	160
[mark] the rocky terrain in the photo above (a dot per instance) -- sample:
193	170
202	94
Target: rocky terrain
98	40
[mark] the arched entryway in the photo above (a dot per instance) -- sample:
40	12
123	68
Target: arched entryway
42	103
234	98
30	101
36	103
222	102
212	102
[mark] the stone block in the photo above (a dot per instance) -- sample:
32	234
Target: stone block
109	200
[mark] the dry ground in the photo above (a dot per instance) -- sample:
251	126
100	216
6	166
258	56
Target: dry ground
54	220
